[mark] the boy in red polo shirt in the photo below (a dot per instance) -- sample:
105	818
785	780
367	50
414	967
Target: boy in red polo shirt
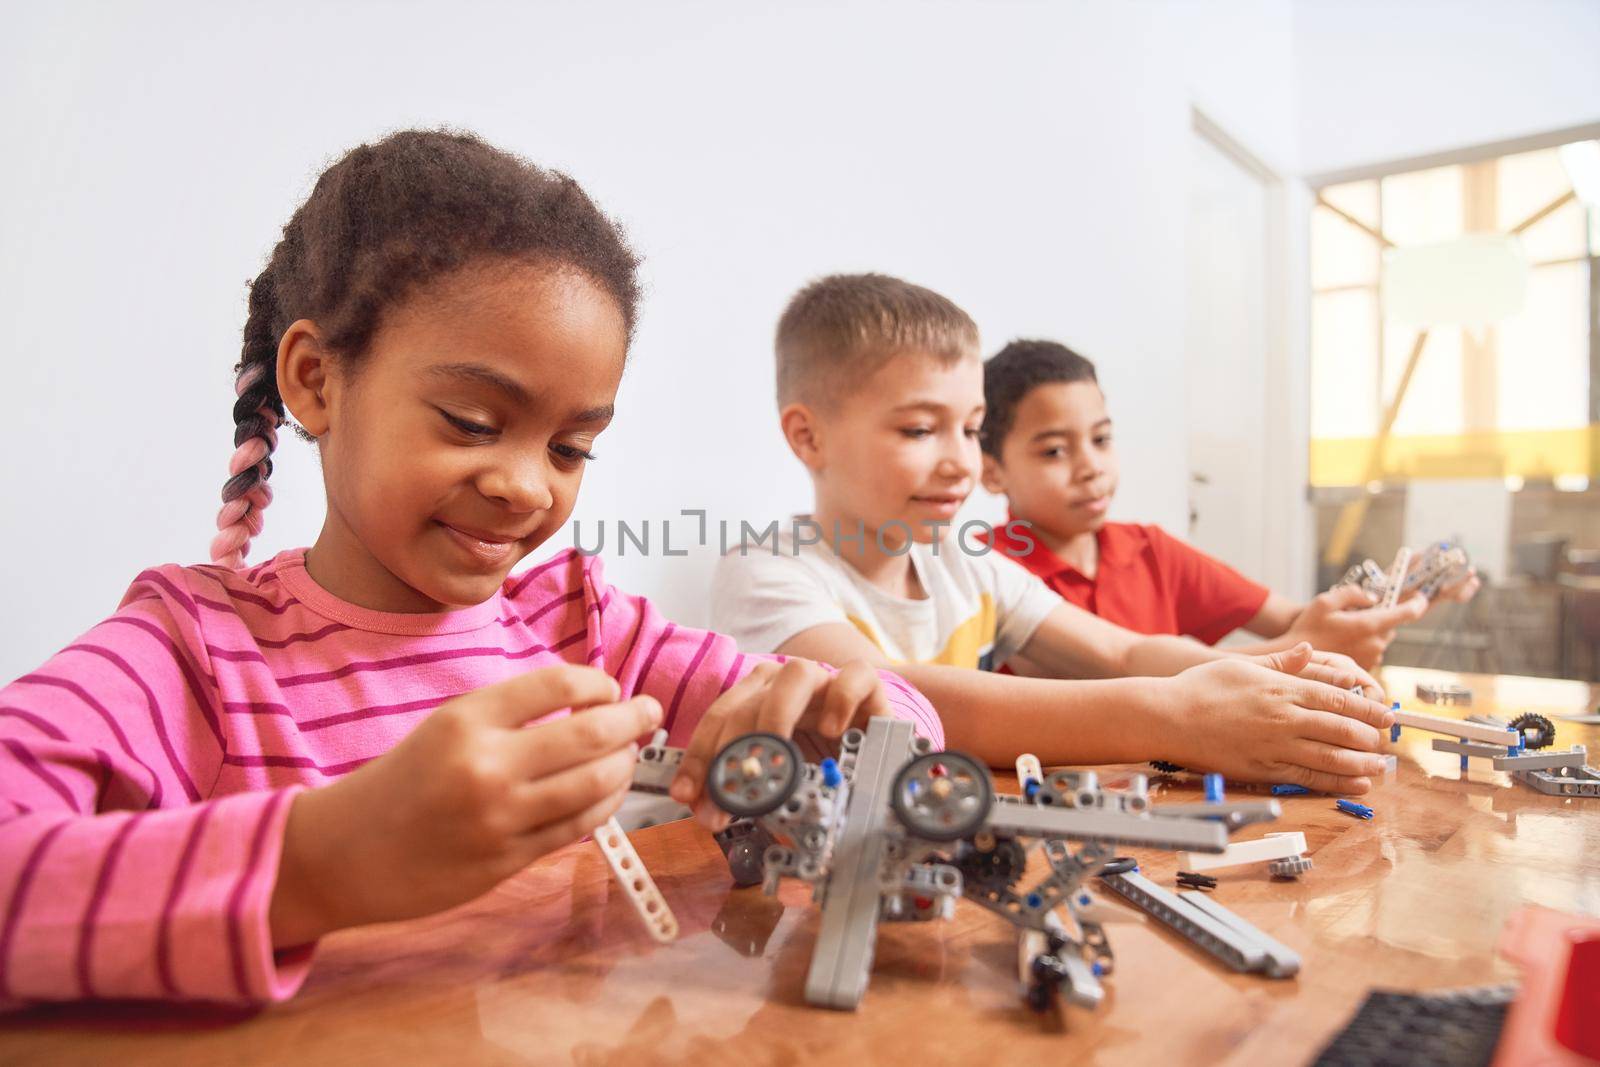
1047	446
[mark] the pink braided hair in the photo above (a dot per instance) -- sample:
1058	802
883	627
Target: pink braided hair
246	494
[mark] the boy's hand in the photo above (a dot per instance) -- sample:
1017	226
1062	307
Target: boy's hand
779	700
1344	620
1254	724
468	798
1462	591
1333	668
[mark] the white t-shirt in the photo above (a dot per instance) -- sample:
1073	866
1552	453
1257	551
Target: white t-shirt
980	609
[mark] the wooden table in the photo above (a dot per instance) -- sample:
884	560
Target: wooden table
552	966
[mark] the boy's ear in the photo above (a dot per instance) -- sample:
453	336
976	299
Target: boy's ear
802	430
993	475
303	376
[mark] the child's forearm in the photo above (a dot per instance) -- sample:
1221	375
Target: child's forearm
1262	648
1161	656
997	717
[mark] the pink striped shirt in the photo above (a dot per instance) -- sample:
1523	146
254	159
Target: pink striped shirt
146	770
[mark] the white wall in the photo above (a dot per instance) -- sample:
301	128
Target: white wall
1382	80
1017	157
1028	159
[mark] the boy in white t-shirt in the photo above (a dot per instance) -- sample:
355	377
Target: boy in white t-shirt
880	390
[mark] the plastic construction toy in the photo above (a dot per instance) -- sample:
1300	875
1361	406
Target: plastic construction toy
1439	565
1192	880
1398	1029
1284	789
1284	855
1350	807
628	869
1520	747
896	832
1444	694
1207	925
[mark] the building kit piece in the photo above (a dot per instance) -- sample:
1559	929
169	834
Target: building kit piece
1350	807
897	832
1195	880
636	882
1280	960
1573	757
1427	572
1273	848
1566	782
1286	790
1397	577
612	840
1396	1029
1503	736
1561	773
1391	767
1536	730
1445	693
1469	748
1207	925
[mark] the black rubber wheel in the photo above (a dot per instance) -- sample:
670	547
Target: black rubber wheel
1536	730
755	774
943	796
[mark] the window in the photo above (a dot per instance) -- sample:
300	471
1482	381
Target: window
1511	397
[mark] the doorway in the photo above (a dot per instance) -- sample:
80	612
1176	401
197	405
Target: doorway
1226	359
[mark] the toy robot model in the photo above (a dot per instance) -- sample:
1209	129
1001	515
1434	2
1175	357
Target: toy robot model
1437	566
895	832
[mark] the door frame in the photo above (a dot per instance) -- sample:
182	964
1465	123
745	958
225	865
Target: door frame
1287	534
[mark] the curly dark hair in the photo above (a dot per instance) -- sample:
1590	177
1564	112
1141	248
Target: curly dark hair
1014	372
382	220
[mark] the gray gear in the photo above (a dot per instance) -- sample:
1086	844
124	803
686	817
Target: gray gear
1290	867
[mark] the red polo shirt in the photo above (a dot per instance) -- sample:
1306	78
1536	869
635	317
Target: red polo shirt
1147	581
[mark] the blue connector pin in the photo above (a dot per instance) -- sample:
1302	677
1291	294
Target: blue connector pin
1287	790
1213	784
830	773
1394	731
1350	807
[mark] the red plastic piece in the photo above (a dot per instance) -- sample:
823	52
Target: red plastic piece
1555	1021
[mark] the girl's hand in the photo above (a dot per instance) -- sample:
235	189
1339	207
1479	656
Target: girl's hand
1254	724
468	798
775	699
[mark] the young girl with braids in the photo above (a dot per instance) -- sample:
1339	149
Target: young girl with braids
241	760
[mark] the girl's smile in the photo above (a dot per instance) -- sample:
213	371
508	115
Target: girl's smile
457	445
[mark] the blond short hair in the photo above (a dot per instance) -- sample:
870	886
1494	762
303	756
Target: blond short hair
837	331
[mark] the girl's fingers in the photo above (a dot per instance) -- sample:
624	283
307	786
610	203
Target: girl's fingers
568	792
543	750
537	693
707	739
855	693
789	696
565	831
